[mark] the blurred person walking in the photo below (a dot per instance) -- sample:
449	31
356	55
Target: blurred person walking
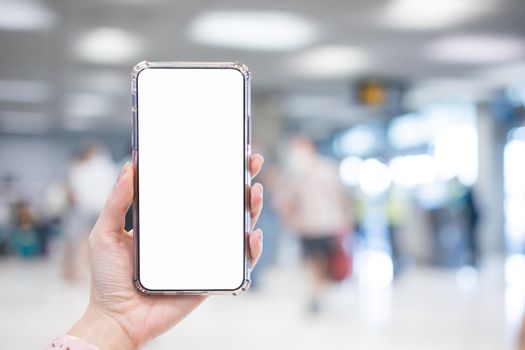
8	198
314	203
90	179
25	240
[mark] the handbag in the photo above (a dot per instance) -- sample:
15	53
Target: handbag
340	259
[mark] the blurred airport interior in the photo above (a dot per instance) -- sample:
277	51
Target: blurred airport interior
394	138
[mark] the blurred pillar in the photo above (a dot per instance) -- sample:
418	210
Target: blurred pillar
489	186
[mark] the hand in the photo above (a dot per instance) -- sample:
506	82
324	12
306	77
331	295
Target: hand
118	316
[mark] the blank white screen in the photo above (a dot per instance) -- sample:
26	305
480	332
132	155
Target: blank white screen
191	186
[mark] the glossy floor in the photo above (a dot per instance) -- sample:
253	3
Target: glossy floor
425	309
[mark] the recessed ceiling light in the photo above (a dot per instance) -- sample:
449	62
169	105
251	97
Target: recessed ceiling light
476	49
25	15
25	122
104	81
432	14
87	105
108	46
252	30
330	61
503	74
24	91
428	91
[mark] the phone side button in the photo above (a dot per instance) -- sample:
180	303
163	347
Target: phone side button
249	130
133	128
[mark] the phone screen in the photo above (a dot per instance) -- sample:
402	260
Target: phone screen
191	146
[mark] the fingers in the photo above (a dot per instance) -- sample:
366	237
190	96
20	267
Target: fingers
256	246
256	162
113	215
256	203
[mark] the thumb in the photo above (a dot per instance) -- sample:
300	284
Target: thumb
112	217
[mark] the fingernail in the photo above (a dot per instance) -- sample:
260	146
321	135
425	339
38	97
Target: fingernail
123	171
261	188
262	159
259	236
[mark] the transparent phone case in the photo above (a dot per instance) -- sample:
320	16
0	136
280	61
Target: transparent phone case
139	67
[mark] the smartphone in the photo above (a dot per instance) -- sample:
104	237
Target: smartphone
191	145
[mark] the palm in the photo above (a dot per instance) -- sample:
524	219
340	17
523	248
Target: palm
141	316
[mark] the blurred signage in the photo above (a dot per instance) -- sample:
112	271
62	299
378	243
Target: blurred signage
380	93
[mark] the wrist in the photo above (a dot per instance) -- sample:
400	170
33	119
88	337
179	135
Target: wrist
98	328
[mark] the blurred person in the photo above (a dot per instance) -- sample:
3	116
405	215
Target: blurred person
471	216
54	209
315	205
25	240
90	178
454	219
8	198
118	316
463	210
397	210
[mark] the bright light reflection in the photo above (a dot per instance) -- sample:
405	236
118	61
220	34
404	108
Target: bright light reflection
359	140
375	269
349	170
456	153
374	177
408	131
413	170
515	288
375	305
514	184
467	278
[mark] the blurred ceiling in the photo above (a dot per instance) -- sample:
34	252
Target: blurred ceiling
73	57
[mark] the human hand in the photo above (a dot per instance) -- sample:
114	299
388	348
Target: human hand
118	316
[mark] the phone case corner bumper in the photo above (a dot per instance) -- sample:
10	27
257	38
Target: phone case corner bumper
241	67
139	67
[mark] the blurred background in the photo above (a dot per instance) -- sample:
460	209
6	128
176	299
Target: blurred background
394	177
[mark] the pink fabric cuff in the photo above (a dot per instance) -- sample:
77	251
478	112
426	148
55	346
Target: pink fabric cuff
69	342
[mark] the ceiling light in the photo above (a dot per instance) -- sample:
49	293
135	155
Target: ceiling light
25	15
252	30
476	49
87	105
25	122
103	81
432	14
503	75
349	170
108	46
24	91
429	91
330	61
